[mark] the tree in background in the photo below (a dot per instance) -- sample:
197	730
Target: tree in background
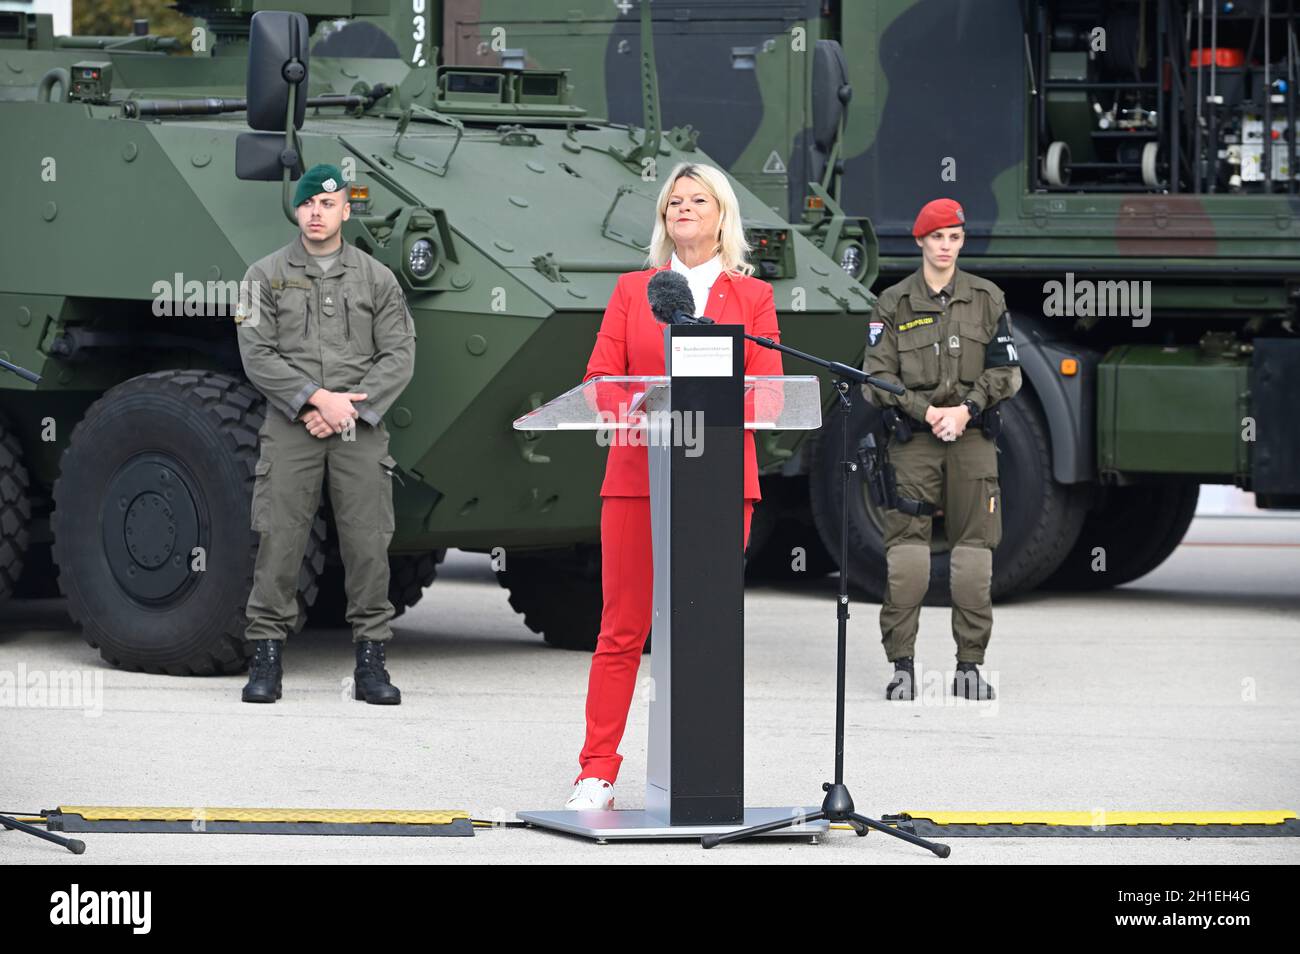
114	17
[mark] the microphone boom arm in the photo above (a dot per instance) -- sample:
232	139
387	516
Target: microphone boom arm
836	367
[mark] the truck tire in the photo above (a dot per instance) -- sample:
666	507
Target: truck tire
1137	527
15	511
161	464
408	575
1040	520
559	594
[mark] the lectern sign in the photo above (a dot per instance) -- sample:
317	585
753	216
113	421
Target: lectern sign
705	356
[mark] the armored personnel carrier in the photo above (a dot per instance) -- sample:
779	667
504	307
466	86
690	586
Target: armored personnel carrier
136	197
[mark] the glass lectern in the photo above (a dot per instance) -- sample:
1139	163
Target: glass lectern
691	422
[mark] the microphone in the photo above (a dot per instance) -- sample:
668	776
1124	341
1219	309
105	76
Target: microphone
671	299
673	303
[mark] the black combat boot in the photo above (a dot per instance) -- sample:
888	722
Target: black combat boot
902	688
264	672
371	678
968	684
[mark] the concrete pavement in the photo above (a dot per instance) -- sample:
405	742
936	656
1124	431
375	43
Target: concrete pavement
1175	692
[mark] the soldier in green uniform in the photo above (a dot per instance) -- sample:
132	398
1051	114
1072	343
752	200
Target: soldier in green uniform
945	335
326	336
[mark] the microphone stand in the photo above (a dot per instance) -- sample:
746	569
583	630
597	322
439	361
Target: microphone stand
74	845
837	806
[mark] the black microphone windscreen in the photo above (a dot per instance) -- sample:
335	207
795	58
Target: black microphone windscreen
669	294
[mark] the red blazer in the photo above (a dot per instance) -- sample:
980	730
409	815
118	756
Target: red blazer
630	341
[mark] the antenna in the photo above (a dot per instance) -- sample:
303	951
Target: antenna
649	91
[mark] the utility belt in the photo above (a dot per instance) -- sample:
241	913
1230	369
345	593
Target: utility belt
901	427
873	455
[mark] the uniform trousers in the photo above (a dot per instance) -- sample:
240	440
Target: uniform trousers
627	583
286	495
961	478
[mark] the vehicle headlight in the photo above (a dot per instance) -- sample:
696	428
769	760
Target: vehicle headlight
420	259
851	259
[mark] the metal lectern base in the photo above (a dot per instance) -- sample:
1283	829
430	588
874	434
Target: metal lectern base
630	824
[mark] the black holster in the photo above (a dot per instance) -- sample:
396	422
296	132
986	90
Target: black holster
897	424
882	484
876	470
990	423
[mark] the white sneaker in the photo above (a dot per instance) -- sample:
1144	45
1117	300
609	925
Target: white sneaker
591	794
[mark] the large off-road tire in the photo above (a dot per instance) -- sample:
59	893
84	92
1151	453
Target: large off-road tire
162	464
408	575
559	594
1135	528
784	544
1040	518
15	511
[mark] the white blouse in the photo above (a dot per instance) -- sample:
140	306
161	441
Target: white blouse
700	278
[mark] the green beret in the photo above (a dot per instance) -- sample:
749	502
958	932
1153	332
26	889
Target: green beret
319	178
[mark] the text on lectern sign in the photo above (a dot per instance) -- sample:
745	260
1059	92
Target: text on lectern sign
706	356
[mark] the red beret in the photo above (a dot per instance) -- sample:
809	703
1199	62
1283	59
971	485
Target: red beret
938	214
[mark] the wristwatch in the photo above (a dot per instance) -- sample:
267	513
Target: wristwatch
973	408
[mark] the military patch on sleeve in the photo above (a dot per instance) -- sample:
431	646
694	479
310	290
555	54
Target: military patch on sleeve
1001	351
874	330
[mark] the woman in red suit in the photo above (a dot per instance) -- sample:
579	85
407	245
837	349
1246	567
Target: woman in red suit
697	233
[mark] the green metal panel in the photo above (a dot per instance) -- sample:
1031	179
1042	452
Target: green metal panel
1171	410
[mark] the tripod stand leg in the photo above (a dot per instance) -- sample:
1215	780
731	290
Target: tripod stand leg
72	844
710	841
941	850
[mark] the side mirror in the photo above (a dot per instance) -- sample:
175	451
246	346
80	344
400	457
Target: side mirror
263	157
277	62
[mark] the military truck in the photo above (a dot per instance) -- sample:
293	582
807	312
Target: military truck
1129	176
136	196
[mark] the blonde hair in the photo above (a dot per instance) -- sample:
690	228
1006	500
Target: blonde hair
731	244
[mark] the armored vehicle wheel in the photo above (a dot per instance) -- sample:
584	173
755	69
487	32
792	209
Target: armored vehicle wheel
1136	529
1040	519
408	575
558	592
161	465
15	511
782	523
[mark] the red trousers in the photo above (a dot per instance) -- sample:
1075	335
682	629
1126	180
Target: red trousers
627	583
